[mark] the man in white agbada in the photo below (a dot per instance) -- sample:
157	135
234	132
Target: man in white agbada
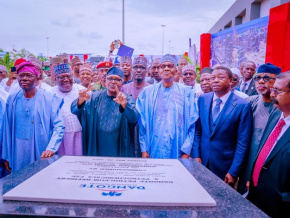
168	112
66	89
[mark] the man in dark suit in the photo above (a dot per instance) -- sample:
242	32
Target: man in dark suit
224	128
247	84
270	180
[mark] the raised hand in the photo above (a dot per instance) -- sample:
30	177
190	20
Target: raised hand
83	95
112	47
120	42
120	98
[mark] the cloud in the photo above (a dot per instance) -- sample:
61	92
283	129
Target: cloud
68	22
90	35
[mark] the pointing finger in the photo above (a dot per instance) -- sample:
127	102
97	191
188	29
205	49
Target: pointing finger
89	88
117	90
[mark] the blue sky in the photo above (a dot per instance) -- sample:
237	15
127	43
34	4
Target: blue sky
89	26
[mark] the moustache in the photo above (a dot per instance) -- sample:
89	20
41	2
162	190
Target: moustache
274	101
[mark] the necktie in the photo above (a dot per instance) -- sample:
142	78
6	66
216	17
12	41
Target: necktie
216	110
266	150
244	87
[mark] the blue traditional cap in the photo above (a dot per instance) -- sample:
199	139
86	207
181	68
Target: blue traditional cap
140	60
115	71
62	68
170	58
269	68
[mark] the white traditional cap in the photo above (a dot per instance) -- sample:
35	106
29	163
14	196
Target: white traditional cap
236	71
189	67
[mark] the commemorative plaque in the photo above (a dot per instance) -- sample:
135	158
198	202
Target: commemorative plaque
114	181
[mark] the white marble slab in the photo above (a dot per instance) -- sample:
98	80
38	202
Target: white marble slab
115	181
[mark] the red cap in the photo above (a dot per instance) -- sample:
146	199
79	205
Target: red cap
104	64
19	61
141	55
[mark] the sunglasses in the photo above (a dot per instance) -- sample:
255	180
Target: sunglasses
265	78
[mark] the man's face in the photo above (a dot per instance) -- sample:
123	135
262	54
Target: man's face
127	68
220	81
263	87
167	71
103	74
64	82
155	71
76	67
3	75
248	70
236	80
281	95
181	64
85	77
95	76
139	72
205	82
40	77
112	82
189	77
27	80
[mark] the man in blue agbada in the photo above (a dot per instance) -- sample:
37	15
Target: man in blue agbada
168	112
106	118
33	127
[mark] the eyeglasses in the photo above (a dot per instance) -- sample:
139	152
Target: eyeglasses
170	66
139	67
277	92
114	79
265	78
78	64
188	74
64	77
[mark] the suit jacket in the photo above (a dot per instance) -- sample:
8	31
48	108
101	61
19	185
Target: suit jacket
251	89
224	148
272	193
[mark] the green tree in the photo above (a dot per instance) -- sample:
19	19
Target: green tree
7	61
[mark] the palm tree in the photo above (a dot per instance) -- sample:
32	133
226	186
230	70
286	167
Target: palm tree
7	61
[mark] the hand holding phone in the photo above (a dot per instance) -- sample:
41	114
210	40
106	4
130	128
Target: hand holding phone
13	72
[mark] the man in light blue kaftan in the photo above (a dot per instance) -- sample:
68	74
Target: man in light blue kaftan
32	126
168	112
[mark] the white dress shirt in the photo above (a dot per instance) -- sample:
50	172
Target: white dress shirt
248	84
223	98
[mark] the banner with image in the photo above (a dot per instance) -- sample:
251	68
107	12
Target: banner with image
237	44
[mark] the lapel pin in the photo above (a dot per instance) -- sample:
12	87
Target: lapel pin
234	104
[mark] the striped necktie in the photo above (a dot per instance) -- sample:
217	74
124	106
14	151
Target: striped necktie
266	150
244	87
216	110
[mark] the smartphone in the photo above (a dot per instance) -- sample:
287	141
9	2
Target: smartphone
116	44
13	70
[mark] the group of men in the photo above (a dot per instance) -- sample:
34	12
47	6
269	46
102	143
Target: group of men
235	121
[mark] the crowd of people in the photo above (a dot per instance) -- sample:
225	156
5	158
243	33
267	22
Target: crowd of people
234	121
